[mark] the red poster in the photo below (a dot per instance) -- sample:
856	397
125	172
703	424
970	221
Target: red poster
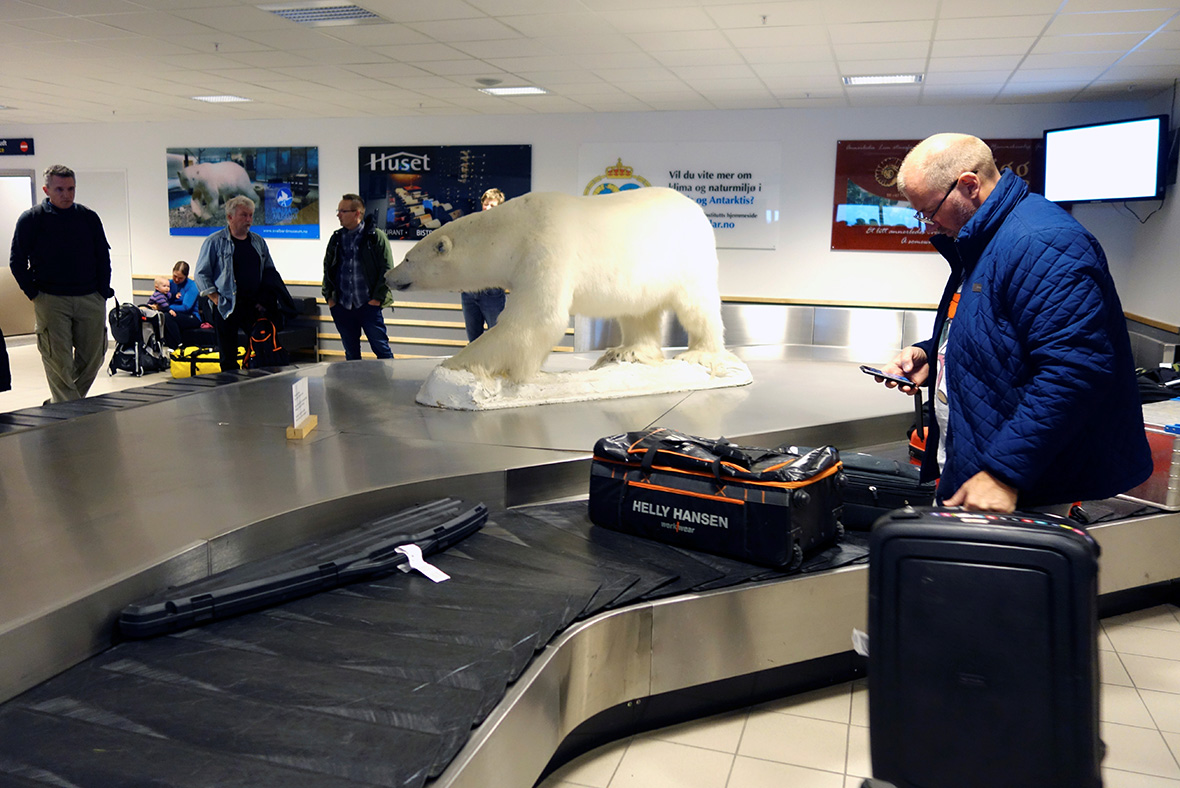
869	213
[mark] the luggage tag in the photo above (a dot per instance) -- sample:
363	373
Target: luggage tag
413	554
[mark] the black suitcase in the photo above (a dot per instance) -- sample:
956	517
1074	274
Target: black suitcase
983	638
876	485
762	506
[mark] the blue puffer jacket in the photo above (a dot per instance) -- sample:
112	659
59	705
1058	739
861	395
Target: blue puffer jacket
1040	375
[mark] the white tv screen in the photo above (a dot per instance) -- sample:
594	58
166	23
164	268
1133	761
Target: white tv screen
1115	161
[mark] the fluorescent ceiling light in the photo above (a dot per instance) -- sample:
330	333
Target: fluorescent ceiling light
322	13
884	79
222	99
522	91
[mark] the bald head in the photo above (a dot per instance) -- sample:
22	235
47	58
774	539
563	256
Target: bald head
947	177
935	162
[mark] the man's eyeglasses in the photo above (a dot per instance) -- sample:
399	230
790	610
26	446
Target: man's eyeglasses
350	210
925	218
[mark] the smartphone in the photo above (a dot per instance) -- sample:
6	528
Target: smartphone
895	378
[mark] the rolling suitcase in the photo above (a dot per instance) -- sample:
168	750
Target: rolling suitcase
761	506
983	666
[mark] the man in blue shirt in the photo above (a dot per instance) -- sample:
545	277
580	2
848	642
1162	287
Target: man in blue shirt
354	285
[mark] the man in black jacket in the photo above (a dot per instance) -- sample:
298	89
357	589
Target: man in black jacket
354	279
62	261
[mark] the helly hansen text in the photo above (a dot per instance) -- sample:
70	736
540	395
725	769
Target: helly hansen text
681	515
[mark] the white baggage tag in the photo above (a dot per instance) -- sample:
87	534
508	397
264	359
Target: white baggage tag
414	553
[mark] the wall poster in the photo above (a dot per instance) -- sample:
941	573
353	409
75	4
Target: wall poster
869	213
415	189
737	186
284	184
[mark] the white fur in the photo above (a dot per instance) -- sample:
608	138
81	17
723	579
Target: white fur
628	255
212	183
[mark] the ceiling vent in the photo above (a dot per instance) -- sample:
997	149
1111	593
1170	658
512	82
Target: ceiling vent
324	13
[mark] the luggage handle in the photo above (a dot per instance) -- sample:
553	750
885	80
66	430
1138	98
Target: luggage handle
649	459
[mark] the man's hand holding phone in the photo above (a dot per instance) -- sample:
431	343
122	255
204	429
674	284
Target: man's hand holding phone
907	371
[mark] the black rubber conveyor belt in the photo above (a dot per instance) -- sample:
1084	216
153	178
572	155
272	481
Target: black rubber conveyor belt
377	683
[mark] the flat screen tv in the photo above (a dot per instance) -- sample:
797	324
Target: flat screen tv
1107	162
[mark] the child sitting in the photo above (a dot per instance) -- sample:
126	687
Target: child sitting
159	299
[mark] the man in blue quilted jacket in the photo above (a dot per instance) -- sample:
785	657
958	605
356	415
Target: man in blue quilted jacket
1030	374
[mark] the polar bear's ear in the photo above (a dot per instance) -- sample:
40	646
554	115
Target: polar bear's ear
442	247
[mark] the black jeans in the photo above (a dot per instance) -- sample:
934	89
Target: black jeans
241	319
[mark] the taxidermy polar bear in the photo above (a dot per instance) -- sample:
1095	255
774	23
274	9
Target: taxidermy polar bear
628	255
212	183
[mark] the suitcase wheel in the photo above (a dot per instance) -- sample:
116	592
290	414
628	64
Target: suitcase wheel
796	557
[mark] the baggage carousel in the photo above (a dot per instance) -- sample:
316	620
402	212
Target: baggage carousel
109	507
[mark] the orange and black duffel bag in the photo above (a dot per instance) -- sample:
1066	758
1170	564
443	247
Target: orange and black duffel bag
762	506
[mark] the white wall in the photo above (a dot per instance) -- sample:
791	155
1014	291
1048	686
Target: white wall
803	266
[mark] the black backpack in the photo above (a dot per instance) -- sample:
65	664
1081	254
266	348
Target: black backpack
125	322
263	348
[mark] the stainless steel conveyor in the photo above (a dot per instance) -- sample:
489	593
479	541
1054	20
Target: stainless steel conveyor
103	509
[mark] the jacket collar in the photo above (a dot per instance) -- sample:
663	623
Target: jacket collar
965	250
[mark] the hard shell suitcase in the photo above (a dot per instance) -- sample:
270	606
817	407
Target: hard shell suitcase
983	638
756	505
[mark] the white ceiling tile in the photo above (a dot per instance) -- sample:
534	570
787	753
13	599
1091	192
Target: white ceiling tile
508	47
517	7
1064	76
882	50
682	40
542	25
617	61
235	19
982	47
778	37
995	27
777	14
699	57
985	9
1098	43
465	30
876	11
1111	22
375	35
866	67
948	80
694	73
154	23
881	31
607	44
974	63
1153	57
662	20
1071	60
415	11
798	54
71	28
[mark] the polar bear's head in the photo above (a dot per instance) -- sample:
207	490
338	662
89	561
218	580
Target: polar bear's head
470	253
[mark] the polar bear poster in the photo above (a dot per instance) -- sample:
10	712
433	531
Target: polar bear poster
628	256
212	183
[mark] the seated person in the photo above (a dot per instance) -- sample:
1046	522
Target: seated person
158	300
182	309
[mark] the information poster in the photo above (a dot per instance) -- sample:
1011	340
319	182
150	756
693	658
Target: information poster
413	190
737	186
868	211
282	182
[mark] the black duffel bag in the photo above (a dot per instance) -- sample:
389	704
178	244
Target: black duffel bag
757	505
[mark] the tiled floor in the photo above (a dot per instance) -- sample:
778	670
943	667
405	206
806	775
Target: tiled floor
29	388
821	739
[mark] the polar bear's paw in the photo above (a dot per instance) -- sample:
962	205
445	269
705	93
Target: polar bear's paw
721	364
635	354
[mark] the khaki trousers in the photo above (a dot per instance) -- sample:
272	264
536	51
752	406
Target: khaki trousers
72	340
